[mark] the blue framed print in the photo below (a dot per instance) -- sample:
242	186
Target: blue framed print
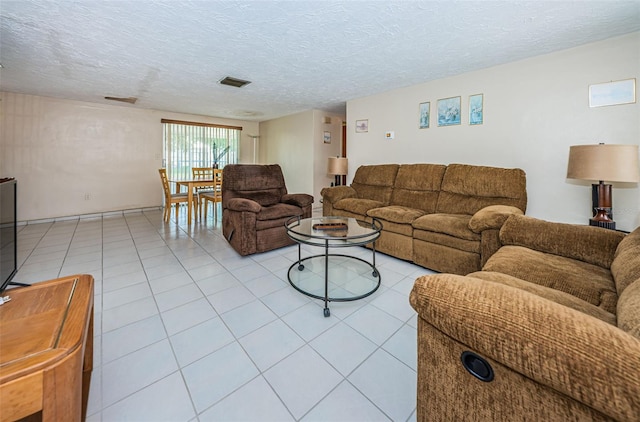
424	115
449	111
476	111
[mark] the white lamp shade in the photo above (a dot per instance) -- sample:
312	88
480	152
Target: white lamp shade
337	166
609	163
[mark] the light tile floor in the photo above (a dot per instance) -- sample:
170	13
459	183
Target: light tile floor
188	330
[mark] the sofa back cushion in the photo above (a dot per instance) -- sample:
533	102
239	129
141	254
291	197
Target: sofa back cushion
375	182
466	189
417	186
625	267
261	183
593	245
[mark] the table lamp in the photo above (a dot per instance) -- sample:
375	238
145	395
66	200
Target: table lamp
604	162
337	166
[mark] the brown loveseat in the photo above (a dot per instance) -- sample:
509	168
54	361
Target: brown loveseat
255	206
555	313
446	218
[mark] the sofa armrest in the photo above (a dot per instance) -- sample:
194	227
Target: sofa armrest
243	204
300	199
336	193
594	245
579	356
492	217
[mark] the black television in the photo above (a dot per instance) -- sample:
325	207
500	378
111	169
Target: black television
8	232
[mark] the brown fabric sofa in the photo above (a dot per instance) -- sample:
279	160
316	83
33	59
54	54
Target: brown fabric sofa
255	206
555	312
446	218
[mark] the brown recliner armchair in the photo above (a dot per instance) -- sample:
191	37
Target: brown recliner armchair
256	205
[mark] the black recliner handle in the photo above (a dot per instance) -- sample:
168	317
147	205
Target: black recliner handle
477	366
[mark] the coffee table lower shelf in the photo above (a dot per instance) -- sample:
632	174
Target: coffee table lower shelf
318	285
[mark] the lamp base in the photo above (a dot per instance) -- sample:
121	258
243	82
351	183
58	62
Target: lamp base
606	224
601	219
596	193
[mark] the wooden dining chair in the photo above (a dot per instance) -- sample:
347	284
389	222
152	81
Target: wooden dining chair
172	198
213	196
202	173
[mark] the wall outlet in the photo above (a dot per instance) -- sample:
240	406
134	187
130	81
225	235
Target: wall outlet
389	135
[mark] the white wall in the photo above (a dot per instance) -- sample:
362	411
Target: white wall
60	151
296	142
285	141
323	151
533	111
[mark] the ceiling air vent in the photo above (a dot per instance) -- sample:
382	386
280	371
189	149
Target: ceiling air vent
238	83
130	100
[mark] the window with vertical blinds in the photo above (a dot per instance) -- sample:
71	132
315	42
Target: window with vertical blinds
190	144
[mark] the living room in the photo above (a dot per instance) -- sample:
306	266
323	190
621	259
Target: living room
61	149
536	109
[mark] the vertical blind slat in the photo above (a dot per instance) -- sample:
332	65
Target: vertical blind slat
187	146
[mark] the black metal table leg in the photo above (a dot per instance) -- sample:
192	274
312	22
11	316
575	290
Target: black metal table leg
375	269
327	312
300	264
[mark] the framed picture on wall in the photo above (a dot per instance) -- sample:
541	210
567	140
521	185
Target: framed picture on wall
424	115
449	111
362	126
327	137
612	93
476	116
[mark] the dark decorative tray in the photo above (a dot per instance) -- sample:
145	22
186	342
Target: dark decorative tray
330	226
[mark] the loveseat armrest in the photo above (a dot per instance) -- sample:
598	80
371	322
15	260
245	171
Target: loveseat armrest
243	204
300	199
336	193
492	217
574	354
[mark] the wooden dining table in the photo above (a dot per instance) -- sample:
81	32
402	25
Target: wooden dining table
191	184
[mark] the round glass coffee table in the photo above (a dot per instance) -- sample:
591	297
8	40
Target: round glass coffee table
329	276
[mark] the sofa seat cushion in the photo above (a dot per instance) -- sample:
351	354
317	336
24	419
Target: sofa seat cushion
456	225
585	281
357	206
396	214
557	296
278	211
396	219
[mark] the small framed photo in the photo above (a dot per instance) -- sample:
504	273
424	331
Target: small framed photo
425	109
476	116
612	93
362	126
327	137
449	111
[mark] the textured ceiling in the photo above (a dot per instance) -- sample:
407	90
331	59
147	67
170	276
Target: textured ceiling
299	55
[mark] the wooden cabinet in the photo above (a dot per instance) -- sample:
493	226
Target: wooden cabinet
46	350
